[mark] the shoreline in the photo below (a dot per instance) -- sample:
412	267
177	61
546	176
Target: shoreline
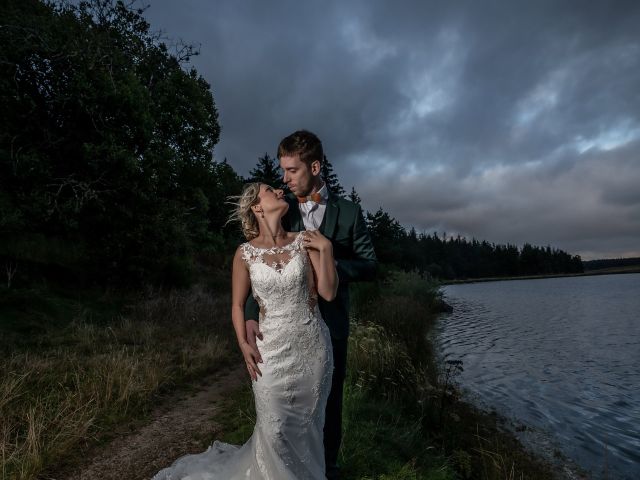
515	384
536	277
502	429
540	448
476	443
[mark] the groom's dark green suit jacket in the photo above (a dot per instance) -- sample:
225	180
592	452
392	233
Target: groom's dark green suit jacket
344	225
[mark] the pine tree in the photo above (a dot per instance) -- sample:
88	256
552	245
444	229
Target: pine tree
330	178
267	171
353	196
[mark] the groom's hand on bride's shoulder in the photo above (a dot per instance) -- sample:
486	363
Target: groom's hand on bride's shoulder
315	240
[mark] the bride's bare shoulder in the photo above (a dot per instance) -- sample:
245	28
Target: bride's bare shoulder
241	253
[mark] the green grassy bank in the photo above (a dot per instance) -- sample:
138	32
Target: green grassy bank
76	365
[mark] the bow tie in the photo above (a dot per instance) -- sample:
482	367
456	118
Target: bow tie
314	197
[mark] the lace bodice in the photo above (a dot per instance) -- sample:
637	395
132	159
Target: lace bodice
282	278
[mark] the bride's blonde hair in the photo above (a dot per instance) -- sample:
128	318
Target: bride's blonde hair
242	212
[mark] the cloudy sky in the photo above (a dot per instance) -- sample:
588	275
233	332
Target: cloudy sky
508	121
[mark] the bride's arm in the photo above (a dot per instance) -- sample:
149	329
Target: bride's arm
240	285
321	255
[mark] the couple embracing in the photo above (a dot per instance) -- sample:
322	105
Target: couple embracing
290	311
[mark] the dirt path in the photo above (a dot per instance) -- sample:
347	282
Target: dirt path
176	428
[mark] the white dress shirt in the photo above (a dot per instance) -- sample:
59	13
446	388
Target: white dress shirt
312	213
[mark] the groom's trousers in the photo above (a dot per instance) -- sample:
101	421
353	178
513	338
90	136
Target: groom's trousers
333	413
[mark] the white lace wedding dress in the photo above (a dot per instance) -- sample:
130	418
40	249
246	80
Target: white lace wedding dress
291	394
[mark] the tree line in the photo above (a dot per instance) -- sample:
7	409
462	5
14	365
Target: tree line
106	166
439	256
459	258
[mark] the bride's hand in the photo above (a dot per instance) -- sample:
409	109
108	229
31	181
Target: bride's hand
251	357
314	240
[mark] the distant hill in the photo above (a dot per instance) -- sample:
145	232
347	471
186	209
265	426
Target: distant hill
618	264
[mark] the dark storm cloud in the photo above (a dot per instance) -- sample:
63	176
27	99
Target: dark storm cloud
507	121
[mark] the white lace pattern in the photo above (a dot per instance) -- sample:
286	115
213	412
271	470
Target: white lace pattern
291	394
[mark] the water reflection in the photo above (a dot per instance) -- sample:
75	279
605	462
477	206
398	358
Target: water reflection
559	354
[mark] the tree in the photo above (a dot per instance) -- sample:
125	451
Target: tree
385	232
227	183
330	178
105	139
353	196
267	171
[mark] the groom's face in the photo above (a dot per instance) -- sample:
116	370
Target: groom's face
300	177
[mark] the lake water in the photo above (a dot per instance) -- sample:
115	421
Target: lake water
558	355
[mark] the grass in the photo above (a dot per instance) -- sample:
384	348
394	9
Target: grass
70	376
383	440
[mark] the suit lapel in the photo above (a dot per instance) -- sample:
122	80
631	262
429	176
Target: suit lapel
328	225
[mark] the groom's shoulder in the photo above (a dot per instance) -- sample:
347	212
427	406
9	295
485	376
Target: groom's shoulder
346	203
347	208
343	202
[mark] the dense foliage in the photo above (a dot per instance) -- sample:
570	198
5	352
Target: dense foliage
106	142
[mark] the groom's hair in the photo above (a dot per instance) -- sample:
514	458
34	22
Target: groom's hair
303	143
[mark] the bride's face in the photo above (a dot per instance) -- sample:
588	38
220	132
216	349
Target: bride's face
272	200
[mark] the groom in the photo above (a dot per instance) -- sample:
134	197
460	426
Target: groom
313	207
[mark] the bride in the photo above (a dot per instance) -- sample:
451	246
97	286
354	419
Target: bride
292	374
